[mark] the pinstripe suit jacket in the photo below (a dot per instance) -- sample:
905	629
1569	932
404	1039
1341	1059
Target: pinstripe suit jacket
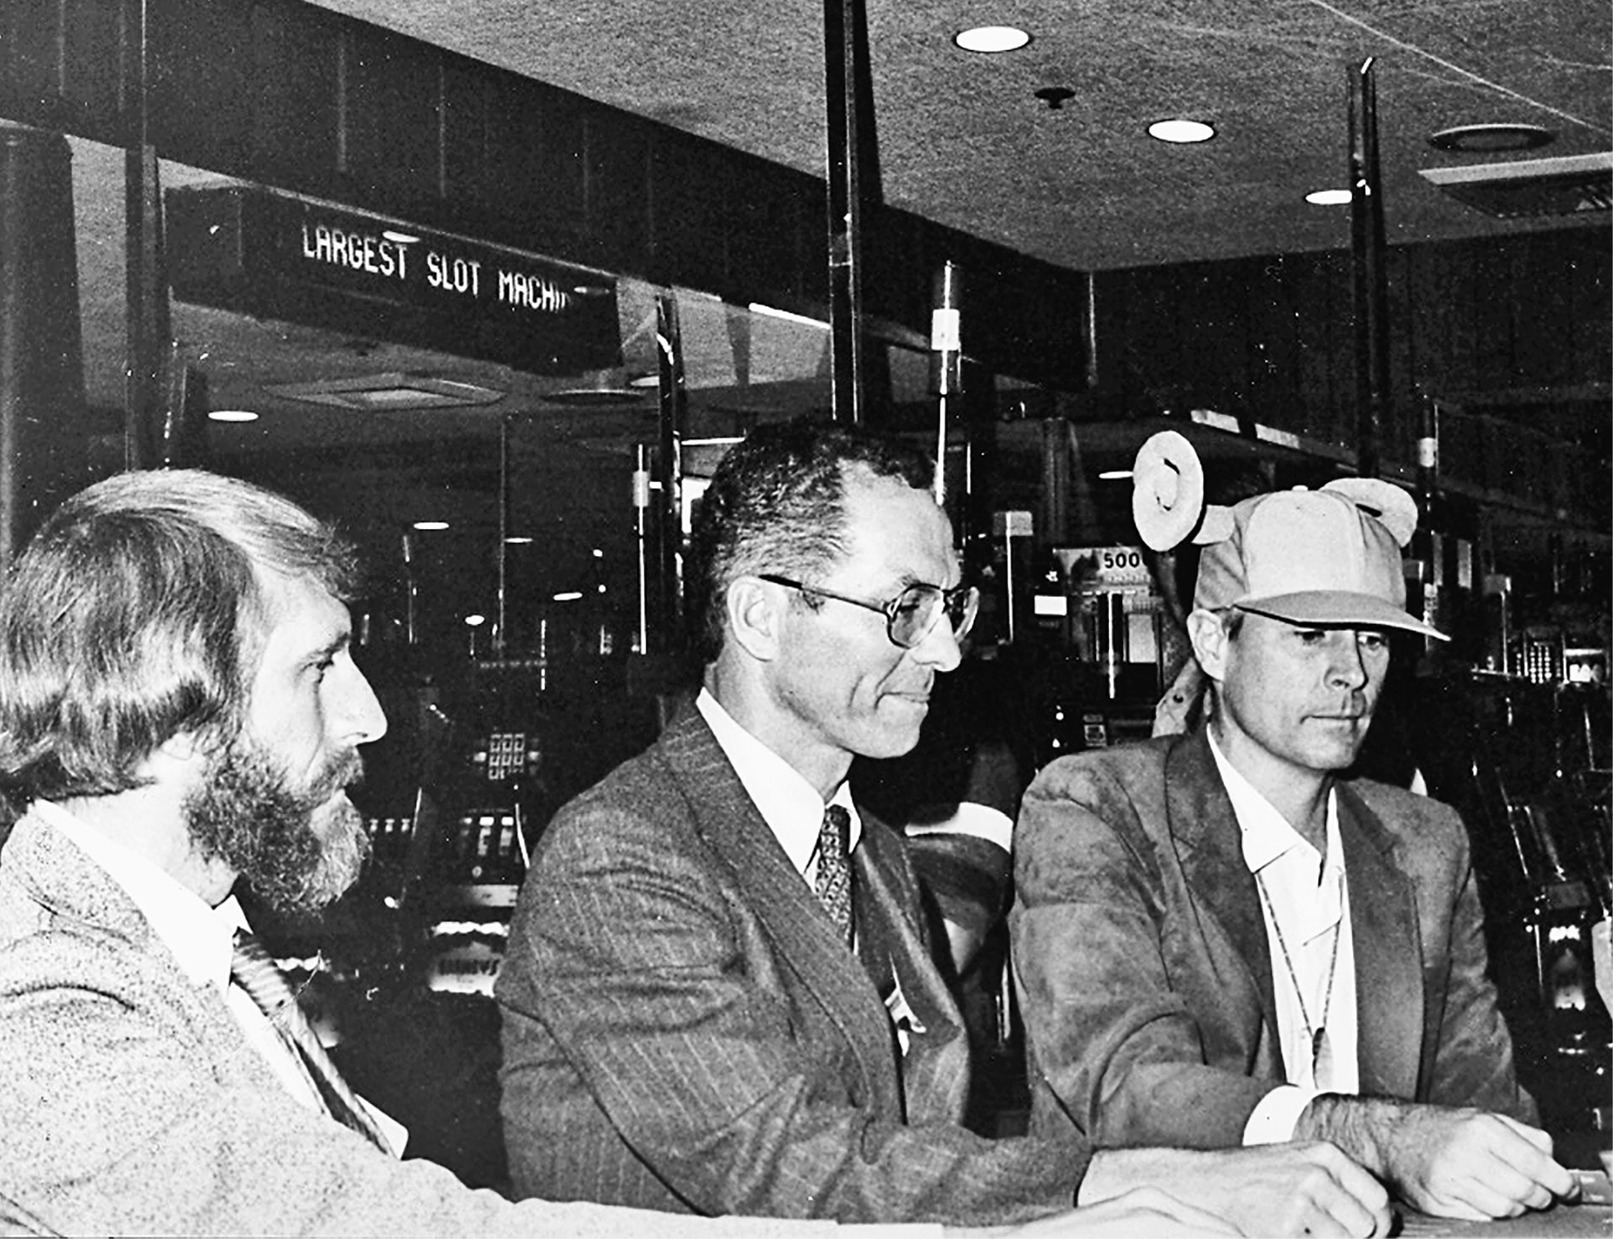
131	1104
1144	967
684	1030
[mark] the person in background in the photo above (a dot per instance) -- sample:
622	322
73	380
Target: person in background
1224	938
719	994
180	712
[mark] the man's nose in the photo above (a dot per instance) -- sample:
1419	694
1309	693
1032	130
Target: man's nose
1346	667
360	715
939	649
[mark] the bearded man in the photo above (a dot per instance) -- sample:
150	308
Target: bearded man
180	711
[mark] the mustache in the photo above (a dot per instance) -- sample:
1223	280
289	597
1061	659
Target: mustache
341	771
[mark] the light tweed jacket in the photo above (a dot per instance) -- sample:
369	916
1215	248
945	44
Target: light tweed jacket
684	1030
130	1103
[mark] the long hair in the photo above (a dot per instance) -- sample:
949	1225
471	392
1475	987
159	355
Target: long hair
777	504
136	614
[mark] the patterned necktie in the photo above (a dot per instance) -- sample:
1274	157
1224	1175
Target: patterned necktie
255	971
833	881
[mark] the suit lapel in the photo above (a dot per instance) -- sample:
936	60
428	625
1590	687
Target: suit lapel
1210	845
1383	932
935	1069
805	938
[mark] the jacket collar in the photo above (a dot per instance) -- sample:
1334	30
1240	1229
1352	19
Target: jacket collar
1383	918
806	941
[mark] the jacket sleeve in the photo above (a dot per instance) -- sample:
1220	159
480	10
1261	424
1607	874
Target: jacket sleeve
1142	1028
639	989
112	1122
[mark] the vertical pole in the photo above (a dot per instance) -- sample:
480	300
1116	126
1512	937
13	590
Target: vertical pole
669	463
499	633
946	345
853	178
147	330
1371	278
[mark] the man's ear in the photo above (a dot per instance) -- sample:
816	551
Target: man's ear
1210	640
755	616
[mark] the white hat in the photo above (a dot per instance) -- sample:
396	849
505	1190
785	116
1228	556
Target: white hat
1329	556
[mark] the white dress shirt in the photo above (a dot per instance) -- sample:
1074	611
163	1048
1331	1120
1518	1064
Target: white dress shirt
202	941
1306	909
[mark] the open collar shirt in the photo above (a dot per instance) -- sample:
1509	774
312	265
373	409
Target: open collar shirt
1306	907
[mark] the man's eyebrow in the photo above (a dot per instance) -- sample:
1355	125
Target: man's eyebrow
329	649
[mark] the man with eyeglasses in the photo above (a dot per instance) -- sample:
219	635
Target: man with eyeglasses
718	994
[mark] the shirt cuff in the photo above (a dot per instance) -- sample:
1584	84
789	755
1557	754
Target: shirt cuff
1273	1120
976	820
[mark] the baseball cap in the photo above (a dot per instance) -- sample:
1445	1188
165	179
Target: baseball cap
1329	556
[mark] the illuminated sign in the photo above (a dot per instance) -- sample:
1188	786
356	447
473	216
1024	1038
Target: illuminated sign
275	256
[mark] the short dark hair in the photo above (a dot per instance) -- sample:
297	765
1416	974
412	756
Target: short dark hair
136	614
777	504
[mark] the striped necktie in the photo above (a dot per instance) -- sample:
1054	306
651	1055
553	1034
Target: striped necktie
833	880
255	971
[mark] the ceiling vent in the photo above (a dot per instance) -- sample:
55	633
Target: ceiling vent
1561	185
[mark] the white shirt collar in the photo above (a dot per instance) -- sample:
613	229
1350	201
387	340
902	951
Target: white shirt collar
1305	886
201	938
789	805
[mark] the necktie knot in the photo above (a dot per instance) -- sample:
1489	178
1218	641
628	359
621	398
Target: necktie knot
833	879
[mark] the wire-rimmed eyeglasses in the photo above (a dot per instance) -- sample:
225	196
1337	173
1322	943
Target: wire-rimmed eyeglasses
910	616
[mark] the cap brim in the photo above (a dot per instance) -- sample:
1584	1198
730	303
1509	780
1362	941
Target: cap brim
1338	607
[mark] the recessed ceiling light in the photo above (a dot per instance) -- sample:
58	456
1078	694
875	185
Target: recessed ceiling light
991	39
1328	197
1115	475
1503	137
232	415
518	539
1181	131
430	526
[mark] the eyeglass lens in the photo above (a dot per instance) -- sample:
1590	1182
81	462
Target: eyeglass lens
919	609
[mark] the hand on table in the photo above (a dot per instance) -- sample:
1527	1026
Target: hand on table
1444	1161
1140	1211
1275	1189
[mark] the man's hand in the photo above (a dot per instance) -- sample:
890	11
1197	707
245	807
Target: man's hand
1445	1161
1273	1189
1141	1211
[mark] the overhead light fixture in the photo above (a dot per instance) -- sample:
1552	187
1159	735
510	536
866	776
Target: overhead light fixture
600	389
991	39
518	539
570	595
1474	139
391	392
232	415
402	238
430	526
1328	197
1523	188
1115	475
1181	131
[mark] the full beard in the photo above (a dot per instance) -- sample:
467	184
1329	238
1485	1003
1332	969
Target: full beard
297	848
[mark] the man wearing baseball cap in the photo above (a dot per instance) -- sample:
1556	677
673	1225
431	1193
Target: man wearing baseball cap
1224	938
